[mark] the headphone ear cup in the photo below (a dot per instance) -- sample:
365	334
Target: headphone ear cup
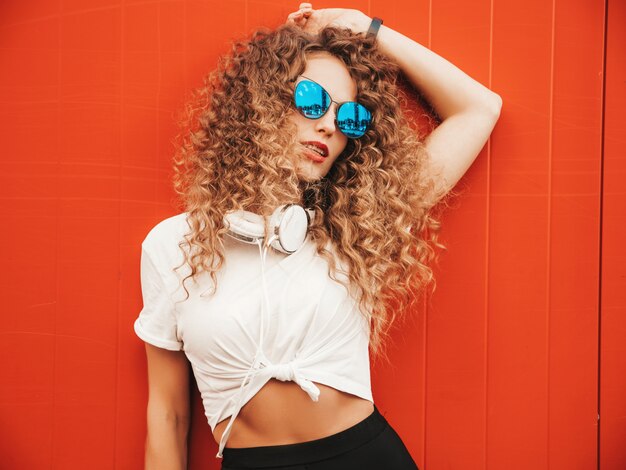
289	225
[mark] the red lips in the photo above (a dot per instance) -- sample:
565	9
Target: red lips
314	155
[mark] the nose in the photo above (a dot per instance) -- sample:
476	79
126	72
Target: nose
327	122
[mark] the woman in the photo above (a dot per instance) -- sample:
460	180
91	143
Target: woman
306	116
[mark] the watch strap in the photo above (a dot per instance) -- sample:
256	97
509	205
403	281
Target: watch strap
374	27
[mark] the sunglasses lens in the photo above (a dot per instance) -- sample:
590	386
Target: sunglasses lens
353	119
311	99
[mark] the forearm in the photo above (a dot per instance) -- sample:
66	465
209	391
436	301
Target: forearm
166	443
445	86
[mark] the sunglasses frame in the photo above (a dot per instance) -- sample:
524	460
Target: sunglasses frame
339	105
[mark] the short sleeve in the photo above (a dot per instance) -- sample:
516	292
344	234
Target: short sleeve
156	323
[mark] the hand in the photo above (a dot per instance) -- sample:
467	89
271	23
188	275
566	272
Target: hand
312	21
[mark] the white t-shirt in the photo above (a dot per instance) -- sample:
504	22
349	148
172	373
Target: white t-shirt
313	330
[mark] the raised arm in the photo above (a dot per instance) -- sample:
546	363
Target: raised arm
469	110
168	409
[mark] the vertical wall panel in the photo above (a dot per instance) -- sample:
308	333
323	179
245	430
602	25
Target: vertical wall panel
518	238
575	164
498	370
86	357
29	87
613	292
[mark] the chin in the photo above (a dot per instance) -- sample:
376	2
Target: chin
310	174
309	178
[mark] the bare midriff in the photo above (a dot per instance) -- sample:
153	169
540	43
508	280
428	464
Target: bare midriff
282	413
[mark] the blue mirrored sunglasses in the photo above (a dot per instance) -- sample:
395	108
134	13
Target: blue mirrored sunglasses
312	101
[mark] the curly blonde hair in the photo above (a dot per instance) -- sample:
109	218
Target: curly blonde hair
234	149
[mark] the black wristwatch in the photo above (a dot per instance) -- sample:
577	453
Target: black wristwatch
374	27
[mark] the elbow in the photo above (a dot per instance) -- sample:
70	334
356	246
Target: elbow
488	108
495	105
165	416
176	419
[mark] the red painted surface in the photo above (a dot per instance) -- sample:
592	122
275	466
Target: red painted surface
515	353
612	385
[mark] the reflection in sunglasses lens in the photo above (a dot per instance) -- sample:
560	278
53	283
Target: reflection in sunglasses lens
353	119
311	99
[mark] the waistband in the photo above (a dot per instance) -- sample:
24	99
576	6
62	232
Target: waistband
308	451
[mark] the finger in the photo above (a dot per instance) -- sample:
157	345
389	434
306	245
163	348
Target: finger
297	19
306	5
295	15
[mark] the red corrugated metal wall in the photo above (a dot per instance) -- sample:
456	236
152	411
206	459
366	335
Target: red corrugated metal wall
521	345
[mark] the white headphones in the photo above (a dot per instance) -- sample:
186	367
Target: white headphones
288	227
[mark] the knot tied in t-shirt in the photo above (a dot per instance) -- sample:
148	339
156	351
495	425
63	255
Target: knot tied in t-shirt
285	371
289	371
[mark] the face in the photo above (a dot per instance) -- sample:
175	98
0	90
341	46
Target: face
331	73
